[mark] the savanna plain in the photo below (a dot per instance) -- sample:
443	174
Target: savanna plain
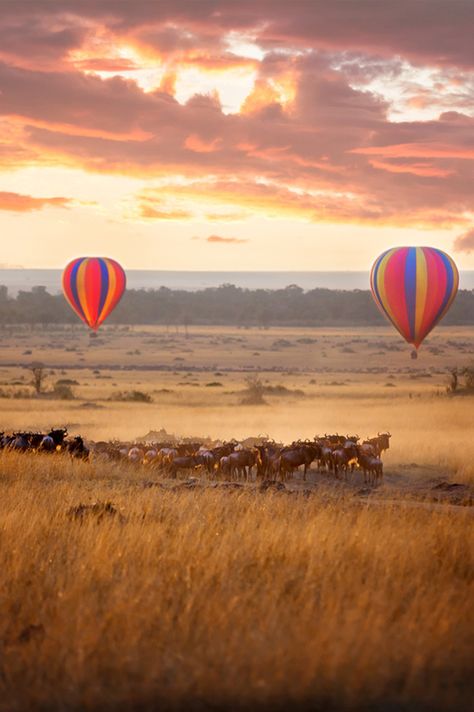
322	595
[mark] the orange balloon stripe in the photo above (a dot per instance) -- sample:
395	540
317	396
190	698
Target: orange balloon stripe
111	294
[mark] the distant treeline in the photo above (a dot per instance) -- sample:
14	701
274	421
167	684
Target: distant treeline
227	305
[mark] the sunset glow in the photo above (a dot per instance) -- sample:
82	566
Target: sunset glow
308	135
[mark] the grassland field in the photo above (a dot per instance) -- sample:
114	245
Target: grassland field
324	596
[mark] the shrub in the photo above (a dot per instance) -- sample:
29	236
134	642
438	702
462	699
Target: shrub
253	394
131	397
63	391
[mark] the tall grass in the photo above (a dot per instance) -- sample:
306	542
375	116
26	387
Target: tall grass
211	599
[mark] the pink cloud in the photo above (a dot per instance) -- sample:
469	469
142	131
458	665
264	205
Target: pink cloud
217	239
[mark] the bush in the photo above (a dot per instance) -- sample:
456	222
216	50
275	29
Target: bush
461	381
131	397
253	394
63	391
468	376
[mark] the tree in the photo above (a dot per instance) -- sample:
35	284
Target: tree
39	376
453	381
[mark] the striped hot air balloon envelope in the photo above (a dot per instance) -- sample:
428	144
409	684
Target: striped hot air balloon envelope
93	286
414	287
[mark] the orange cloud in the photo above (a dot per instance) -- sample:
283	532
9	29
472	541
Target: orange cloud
224	217
146	211
199	145
18	203
273	201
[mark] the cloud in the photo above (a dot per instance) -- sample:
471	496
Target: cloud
464	242
418	150
198	145
226	217
422	31
106	64
218	239
18	203
313	139
146	211
429	32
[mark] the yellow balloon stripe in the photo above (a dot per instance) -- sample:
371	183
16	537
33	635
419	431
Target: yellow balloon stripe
421	288
381	285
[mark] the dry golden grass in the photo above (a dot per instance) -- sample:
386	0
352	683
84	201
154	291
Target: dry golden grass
213	599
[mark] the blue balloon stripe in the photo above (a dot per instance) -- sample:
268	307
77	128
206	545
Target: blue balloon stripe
73	285
410	289
375	279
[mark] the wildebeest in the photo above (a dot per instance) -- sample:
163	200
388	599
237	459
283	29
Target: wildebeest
77	448
344	458
185	462
371	465
296	455
242	461
379	443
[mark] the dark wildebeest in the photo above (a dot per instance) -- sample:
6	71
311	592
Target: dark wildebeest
241	462
58	436
295	456
267	455
77	448
185	462
19	441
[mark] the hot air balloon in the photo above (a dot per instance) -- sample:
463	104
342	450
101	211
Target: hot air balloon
93	287
414	287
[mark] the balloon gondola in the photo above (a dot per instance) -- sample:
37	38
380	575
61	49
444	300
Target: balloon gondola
93	286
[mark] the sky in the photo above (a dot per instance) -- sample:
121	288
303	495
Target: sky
215	134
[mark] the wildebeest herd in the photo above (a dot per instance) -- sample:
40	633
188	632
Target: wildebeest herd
339	455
